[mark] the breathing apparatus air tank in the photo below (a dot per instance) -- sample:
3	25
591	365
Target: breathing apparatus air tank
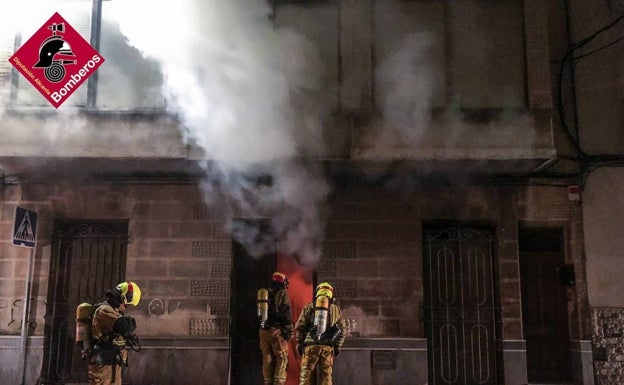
321	310
84	315
263	305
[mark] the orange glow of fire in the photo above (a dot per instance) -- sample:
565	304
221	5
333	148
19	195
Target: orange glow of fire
300	291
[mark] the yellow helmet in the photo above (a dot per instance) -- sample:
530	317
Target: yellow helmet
324	289
130	293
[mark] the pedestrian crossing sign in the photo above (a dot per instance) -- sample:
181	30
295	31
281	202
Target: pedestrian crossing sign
25	228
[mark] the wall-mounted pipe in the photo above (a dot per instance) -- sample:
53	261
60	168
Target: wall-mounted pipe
25	323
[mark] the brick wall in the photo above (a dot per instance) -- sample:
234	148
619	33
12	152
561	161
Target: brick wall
178	252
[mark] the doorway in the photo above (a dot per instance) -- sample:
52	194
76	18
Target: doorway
544	304
88	258
253	264
459	311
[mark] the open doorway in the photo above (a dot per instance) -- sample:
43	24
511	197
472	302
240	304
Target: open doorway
301	290
544	304
252	266
251	270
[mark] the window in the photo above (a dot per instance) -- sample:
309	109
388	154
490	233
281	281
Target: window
127	80
6	45
468	53
317	22
487	53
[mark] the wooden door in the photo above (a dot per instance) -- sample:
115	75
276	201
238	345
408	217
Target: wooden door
544	304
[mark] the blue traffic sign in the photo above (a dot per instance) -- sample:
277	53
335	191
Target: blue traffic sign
25	228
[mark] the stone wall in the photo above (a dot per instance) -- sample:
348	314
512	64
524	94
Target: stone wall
180	253
608	345
372	256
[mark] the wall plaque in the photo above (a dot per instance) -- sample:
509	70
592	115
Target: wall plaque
383	359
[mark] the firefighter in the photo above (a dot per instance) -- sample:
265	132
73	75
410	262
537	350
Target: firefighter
320	335
276	329
112	332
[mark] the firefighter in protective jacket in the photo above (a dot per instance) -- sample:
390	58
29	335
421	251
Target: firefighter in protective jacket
320	335
112	332
276	329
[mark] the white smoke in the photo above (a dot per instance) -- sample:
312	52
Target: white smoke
246	93
405	88
230	75
25	17
406	73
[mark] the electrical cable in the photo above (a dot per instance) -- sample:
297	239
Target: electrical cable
591	37
587	163
619	39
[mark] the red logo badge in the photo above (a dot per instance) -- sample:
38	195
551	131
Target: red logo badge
56	60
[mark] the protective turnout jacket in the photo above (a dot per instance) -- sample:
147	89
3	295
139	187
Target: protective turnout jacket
109	346
279	309
103	320
305	327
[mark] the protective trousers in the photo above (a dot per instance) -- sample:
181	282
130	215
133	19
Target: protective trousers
274	356
103	374
323	355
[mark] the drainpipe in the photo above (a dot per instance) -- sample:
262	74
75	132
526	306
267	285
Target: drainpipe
25	322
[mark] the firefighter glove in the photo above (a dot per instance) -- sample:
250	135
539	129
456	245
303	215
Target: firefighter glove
336	351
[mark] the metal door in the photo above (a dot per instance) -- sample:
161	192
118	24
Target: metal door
459	304
87	259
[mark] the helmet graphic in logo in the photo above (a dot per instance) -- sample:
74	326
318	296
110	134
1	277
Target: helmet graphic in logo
54	54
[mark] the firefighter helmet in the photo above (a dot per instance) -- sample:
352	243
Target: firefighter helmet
280	278
130	293
324	289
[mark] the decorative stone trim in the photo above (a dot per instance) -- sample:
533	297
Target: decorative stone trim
209	288
208	327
